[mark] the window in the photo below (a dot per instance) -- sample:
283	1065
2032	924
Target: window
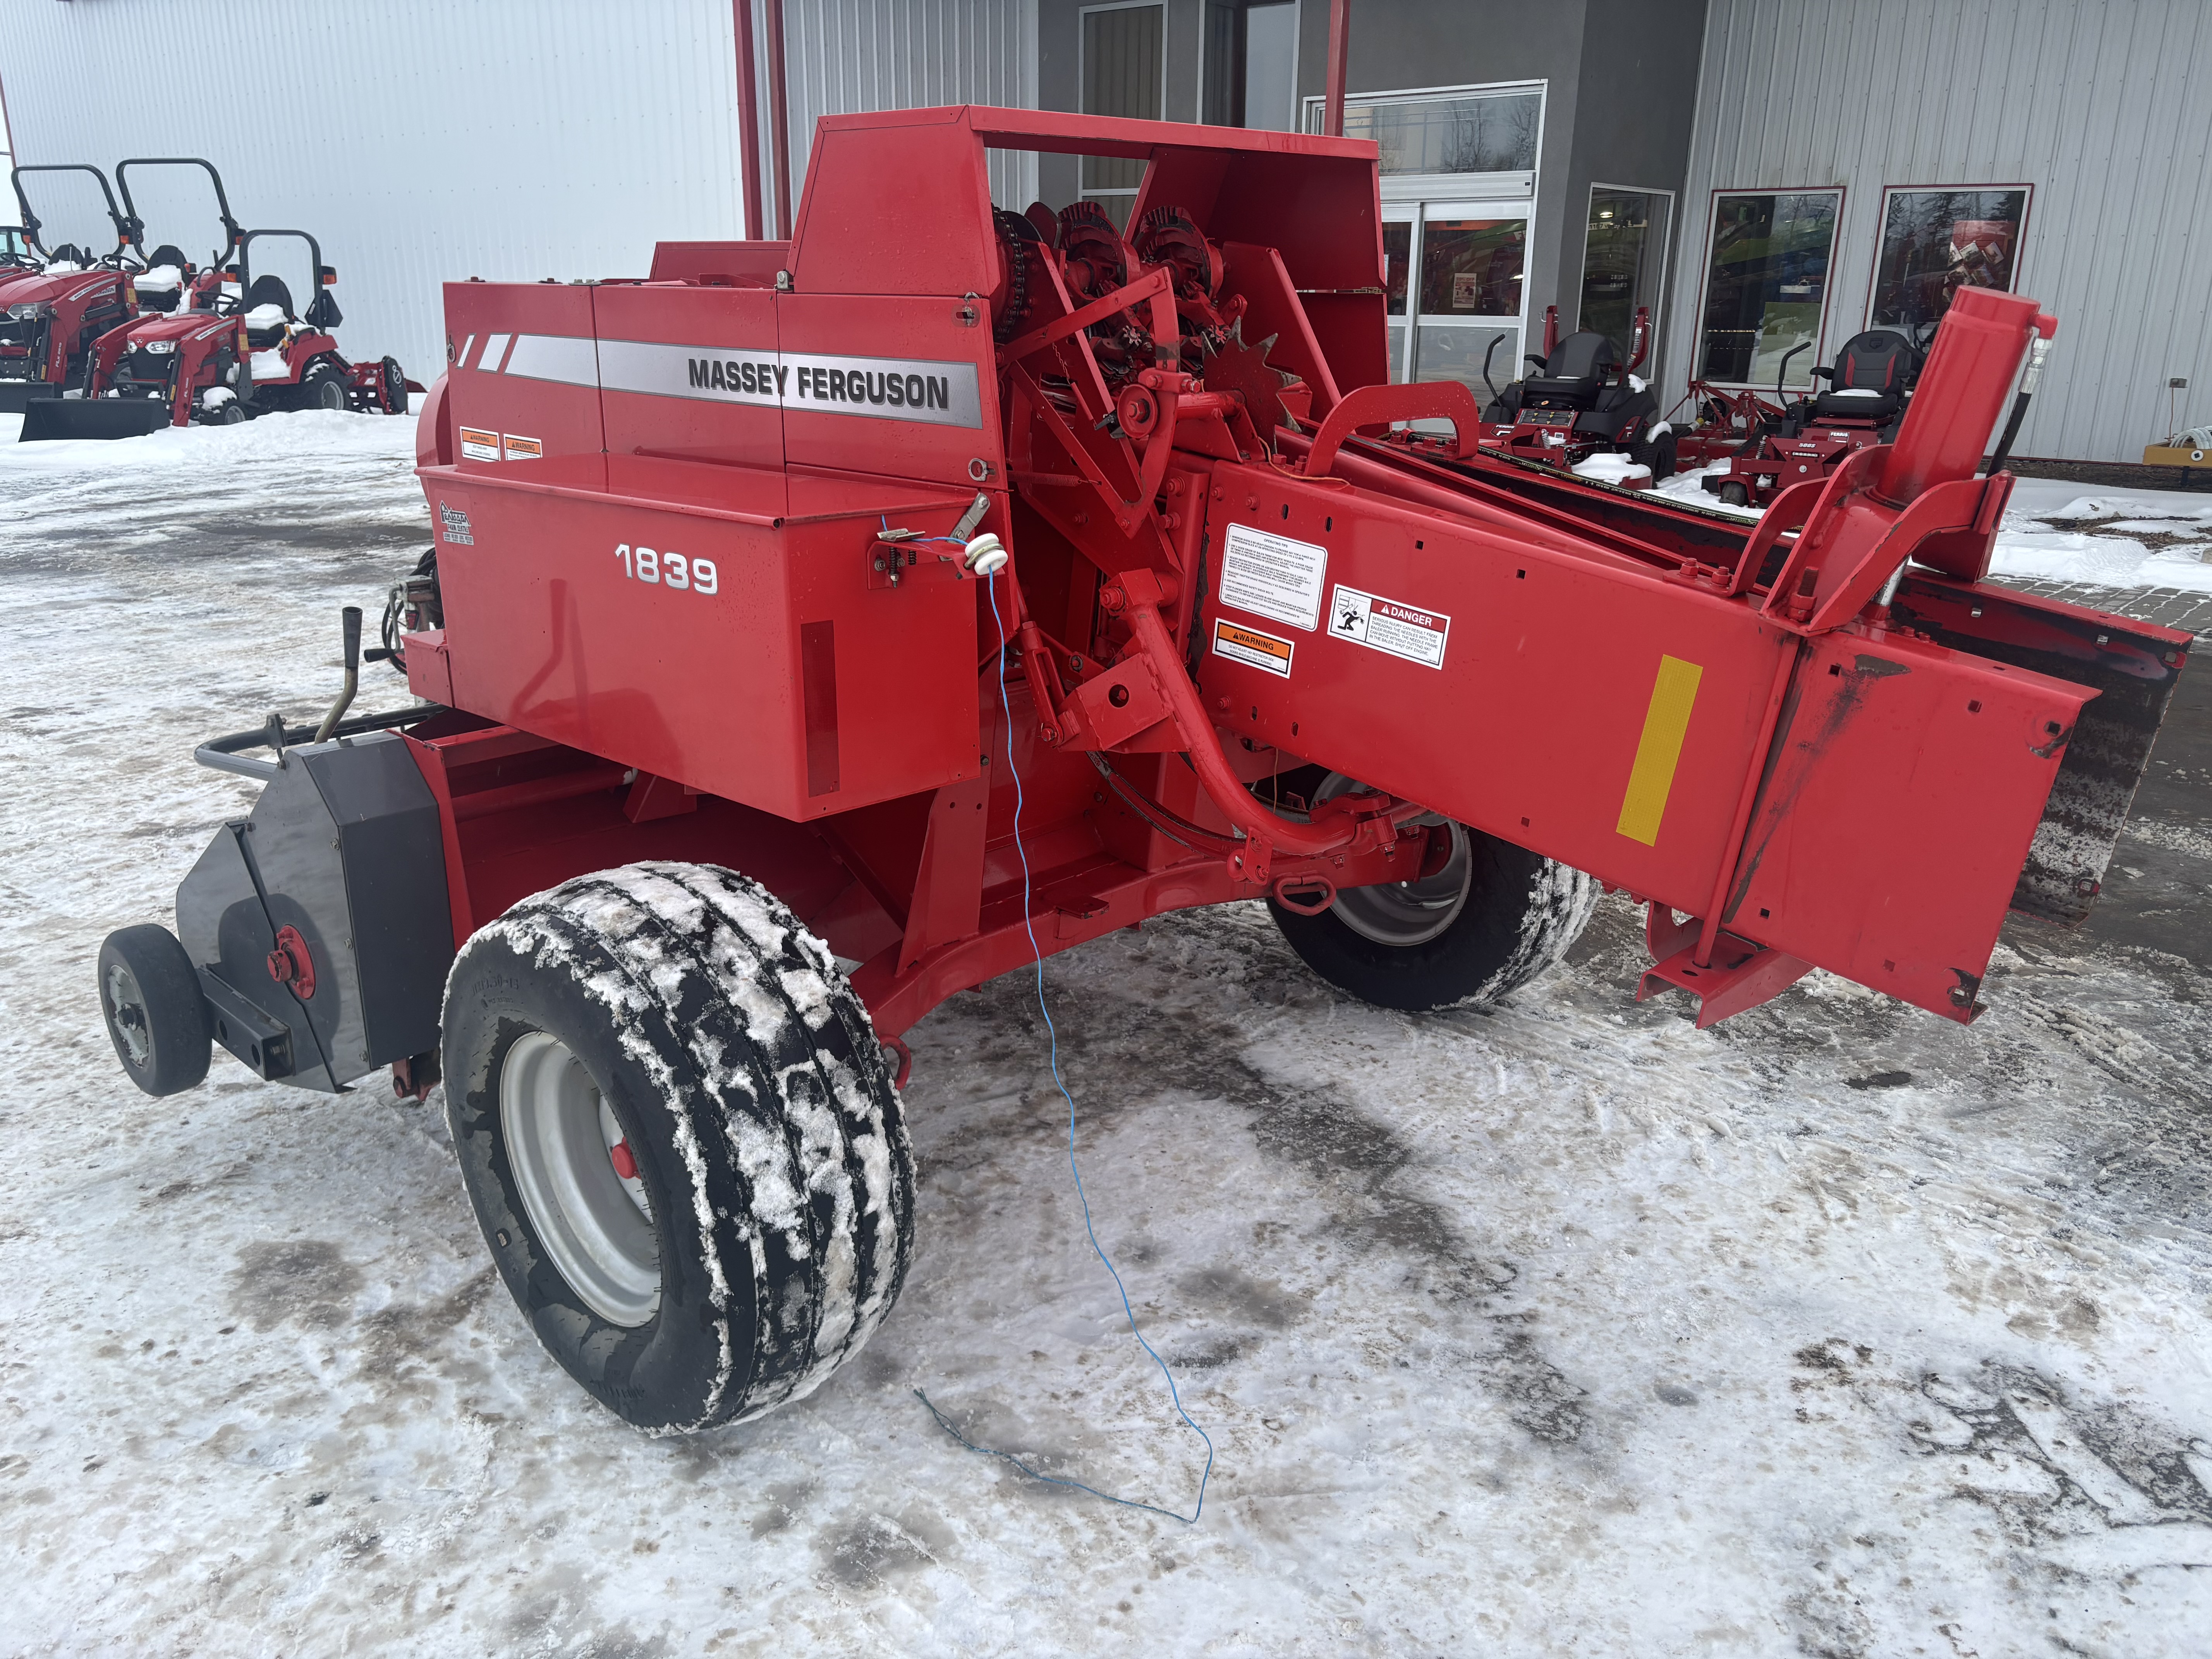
1624	265
1454	282
1935	242
1766	285
1251	53
1123	72
1494	132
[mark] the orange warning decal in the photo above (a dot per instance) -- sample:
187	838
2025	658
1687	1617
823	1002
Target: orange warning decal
479	446
523	449
1252	648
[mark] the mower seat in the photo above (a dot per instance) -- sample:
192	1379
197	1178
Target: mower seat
1574	374
1873	373
268	309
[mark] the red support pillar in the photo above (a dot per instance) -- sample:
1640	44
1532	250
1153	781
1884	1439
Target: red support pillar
1339	43
779	122
748	118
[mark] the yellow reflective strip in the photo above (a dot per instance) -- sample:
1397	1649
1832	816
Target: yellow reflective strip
1660	746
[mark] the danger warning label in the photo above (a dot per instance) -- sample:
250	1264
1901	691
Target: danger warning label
479	446
1252	648
1381	624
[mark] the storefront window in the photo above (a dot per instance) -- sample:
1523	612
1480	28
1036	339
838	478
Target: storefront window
1766	285
1623	263
1495	132
1935	242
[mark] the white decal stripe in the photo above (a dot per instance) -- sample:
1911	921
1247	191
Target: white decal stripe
494	349
565	359
467	346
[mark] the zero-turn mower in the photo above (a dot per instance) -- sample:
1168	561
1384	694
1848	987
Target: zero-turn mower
52	310
1871	388
229	357
1582	401
816	629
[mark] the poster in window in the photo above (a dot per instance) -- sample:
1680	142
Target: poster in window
1935	242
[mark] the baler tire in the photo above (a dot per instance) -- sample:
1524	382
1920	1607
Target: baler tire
769	1145
154	1011
1521	914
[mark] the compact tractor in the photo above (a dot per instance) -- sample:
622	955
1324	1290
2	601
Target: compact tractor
53	308
816	629
1581	402
224	356
1870	387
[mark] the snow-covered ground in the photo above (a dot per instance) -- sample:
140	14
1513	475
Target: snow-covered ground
2068	532
1838	1329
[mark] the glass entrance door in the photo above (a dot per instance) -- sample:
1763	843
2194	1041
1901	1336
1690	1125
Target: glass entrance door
1457	276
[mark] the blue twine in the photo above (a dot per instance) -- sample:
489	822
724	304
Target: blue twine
1036	954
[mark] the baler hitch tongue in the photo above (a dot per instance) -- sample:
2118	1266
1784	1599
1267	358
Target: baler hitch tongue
45	419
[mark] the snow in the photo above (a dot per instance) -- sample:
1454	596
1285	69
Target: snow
1611	466
2053	530
1559	1328
265	317
158	279
270	365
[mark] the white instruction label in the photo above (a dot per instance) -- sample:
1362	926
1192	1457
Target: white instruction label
1383	624
1273	576
1253	648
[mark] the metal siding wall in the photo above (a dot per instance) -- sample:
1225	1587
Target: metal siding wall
847	56
2105	107
423	142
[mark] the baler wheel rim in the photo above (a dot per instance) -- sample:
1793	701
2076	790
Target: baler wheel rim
561	1139
1405	913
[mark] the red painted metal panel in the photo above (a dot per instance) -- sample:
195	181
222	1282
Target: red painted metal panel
1906	784
689	373
1530	728
854	362
523	365
553	627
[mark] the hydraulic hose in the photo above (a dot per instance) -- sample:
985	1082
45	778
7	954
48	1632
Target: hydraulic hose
2036	352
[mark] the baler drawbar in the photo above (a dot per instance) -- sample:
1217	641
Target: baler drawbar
712	794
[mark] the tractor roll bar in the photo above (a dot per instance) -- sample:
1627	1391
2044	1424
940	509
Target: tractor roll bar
134	228
31	220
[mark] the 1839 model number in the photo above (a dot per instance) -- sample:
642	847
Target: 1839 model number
645	564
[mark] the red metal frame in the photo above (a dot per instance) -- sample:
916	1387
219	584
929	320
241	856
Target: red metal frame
722	614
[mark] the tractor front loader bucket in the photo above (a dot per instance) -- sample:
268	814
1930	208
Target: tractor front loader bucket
16	397
102	418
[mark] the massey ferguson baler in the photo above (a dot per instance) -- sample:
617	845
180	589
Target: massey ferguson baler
816	629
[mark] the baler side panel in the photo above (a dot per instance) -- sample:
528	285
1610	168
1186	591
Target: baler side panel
1532	727
689	373
896	210
795	684
523	365
842	410
1906	784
